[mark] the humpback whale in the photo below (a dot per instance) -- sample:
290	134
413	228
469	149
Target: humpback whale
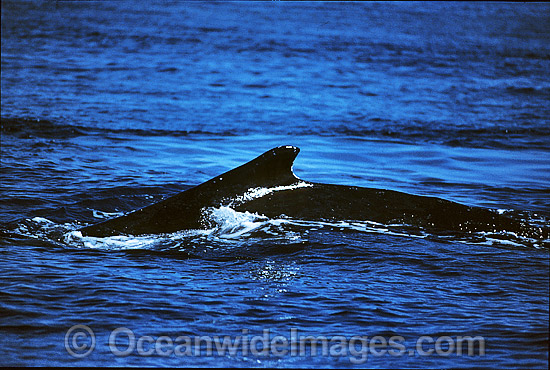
266	185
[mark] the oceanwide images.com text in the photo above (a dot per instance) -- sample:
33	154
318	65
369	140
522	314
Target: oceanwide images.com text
80	342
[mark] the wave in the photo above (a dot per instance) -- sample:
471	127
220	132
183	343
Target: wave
496	136
26	128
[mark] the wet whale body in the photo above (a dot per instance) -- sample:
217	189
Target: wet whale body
285	194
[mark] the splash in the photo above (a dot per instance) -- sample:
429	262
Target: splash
234	225
230	224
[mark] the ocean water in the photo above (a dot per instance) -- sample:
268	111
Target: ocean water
107	107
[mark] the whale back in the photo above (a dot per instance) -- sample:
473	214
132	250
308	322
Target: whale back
311	202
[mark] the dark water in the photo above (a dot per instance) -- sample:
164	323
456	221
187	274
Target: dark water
110	106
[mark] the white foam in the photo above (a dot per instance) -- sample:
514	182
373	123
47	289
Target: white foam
42	220
101	214
75	238
126	242
42	228
362	226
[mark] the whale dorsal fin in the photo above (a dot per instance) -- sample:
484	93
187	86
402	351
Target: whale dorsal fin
273	168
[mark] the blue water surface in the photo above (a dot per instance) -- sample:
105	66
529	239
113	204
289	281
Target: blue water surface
110	106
